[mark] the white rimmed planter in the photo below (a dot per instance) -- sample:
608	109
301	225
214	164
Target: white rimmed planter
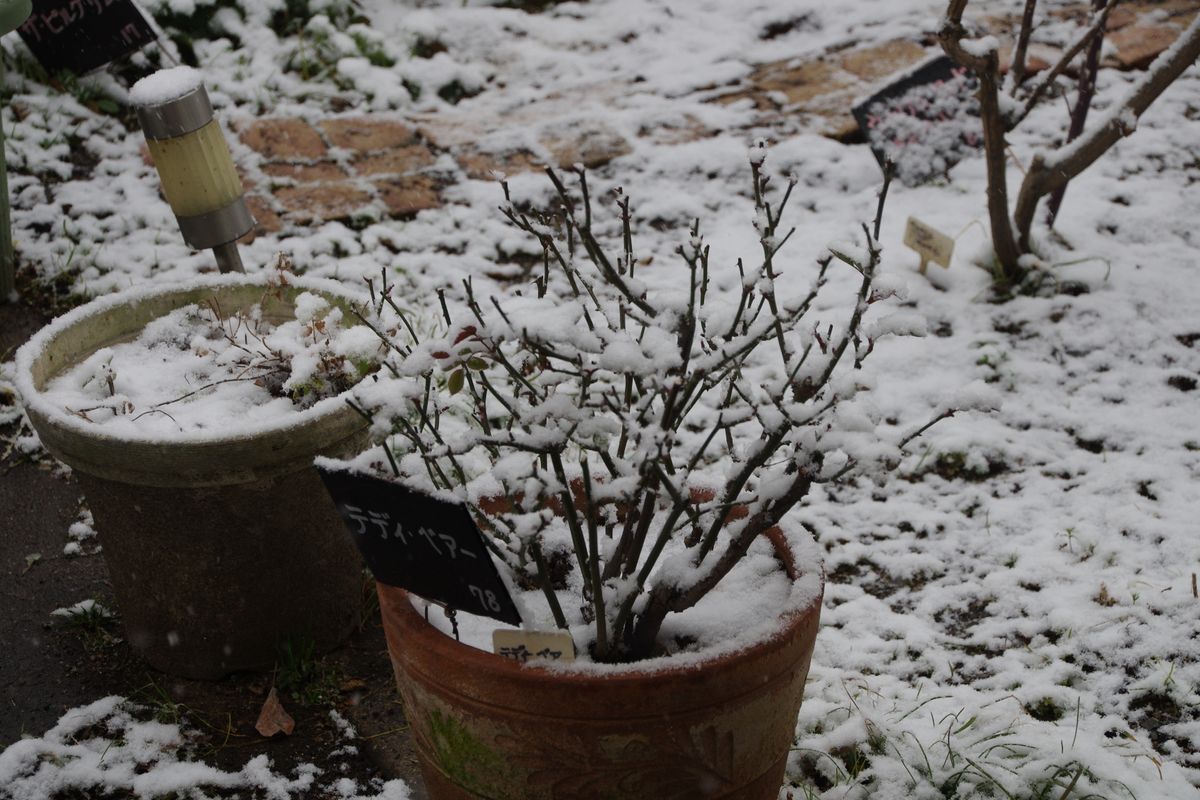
219	544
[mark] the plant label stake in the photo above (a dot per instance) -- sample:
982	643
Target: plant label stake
521	646
83	35
925	120
929	243
428	546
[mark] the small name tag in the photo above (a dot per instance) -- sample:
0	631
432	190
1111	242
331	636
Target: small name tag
521	646
929	244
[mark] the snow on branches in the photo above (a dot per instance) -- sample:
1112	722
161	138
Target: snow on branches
638	441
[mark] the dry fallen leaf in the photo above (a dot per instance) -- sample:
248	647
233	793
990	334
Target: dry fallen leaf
273	719
353	685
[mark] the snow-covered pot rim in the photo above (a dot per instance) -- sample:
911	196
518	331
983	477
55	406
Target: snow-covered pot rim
798	553
796	549
579	729
238	452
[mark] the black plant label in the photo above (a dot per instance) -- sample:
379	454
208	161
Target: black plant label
82	35
428	546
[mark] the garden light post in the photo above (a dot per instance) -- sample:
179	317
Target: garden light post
193	162
12	14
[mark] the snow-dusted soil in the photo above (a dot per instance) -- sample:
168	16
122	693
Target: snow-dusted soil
202	372
1012	613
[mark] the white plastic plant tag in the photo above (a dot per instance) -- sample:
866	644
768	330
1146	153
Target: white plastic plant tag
521	646
929	244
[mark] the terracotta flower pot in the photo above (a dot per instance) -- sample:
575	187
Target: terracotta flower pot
486	727
220	545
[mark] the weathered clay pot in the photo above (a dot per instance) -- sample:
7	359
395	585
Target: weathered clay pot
218	546
486	727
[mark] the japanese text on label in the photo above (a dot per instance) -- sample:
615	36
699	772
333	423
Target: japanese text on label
929	243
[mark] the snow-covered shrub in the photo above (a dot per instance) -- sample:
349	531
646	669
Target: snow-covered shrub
316	41
190	20
928	129
629	446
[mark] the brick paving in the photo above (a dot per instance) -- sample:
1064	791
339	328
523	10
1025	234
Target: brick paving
817	92
360	168
341	168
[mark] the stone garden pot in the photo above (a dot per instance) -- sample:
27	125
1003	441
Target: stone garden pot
487	727
219	546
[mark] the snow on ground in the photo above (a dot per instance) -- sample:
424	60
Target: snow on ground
1011	612
111	747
